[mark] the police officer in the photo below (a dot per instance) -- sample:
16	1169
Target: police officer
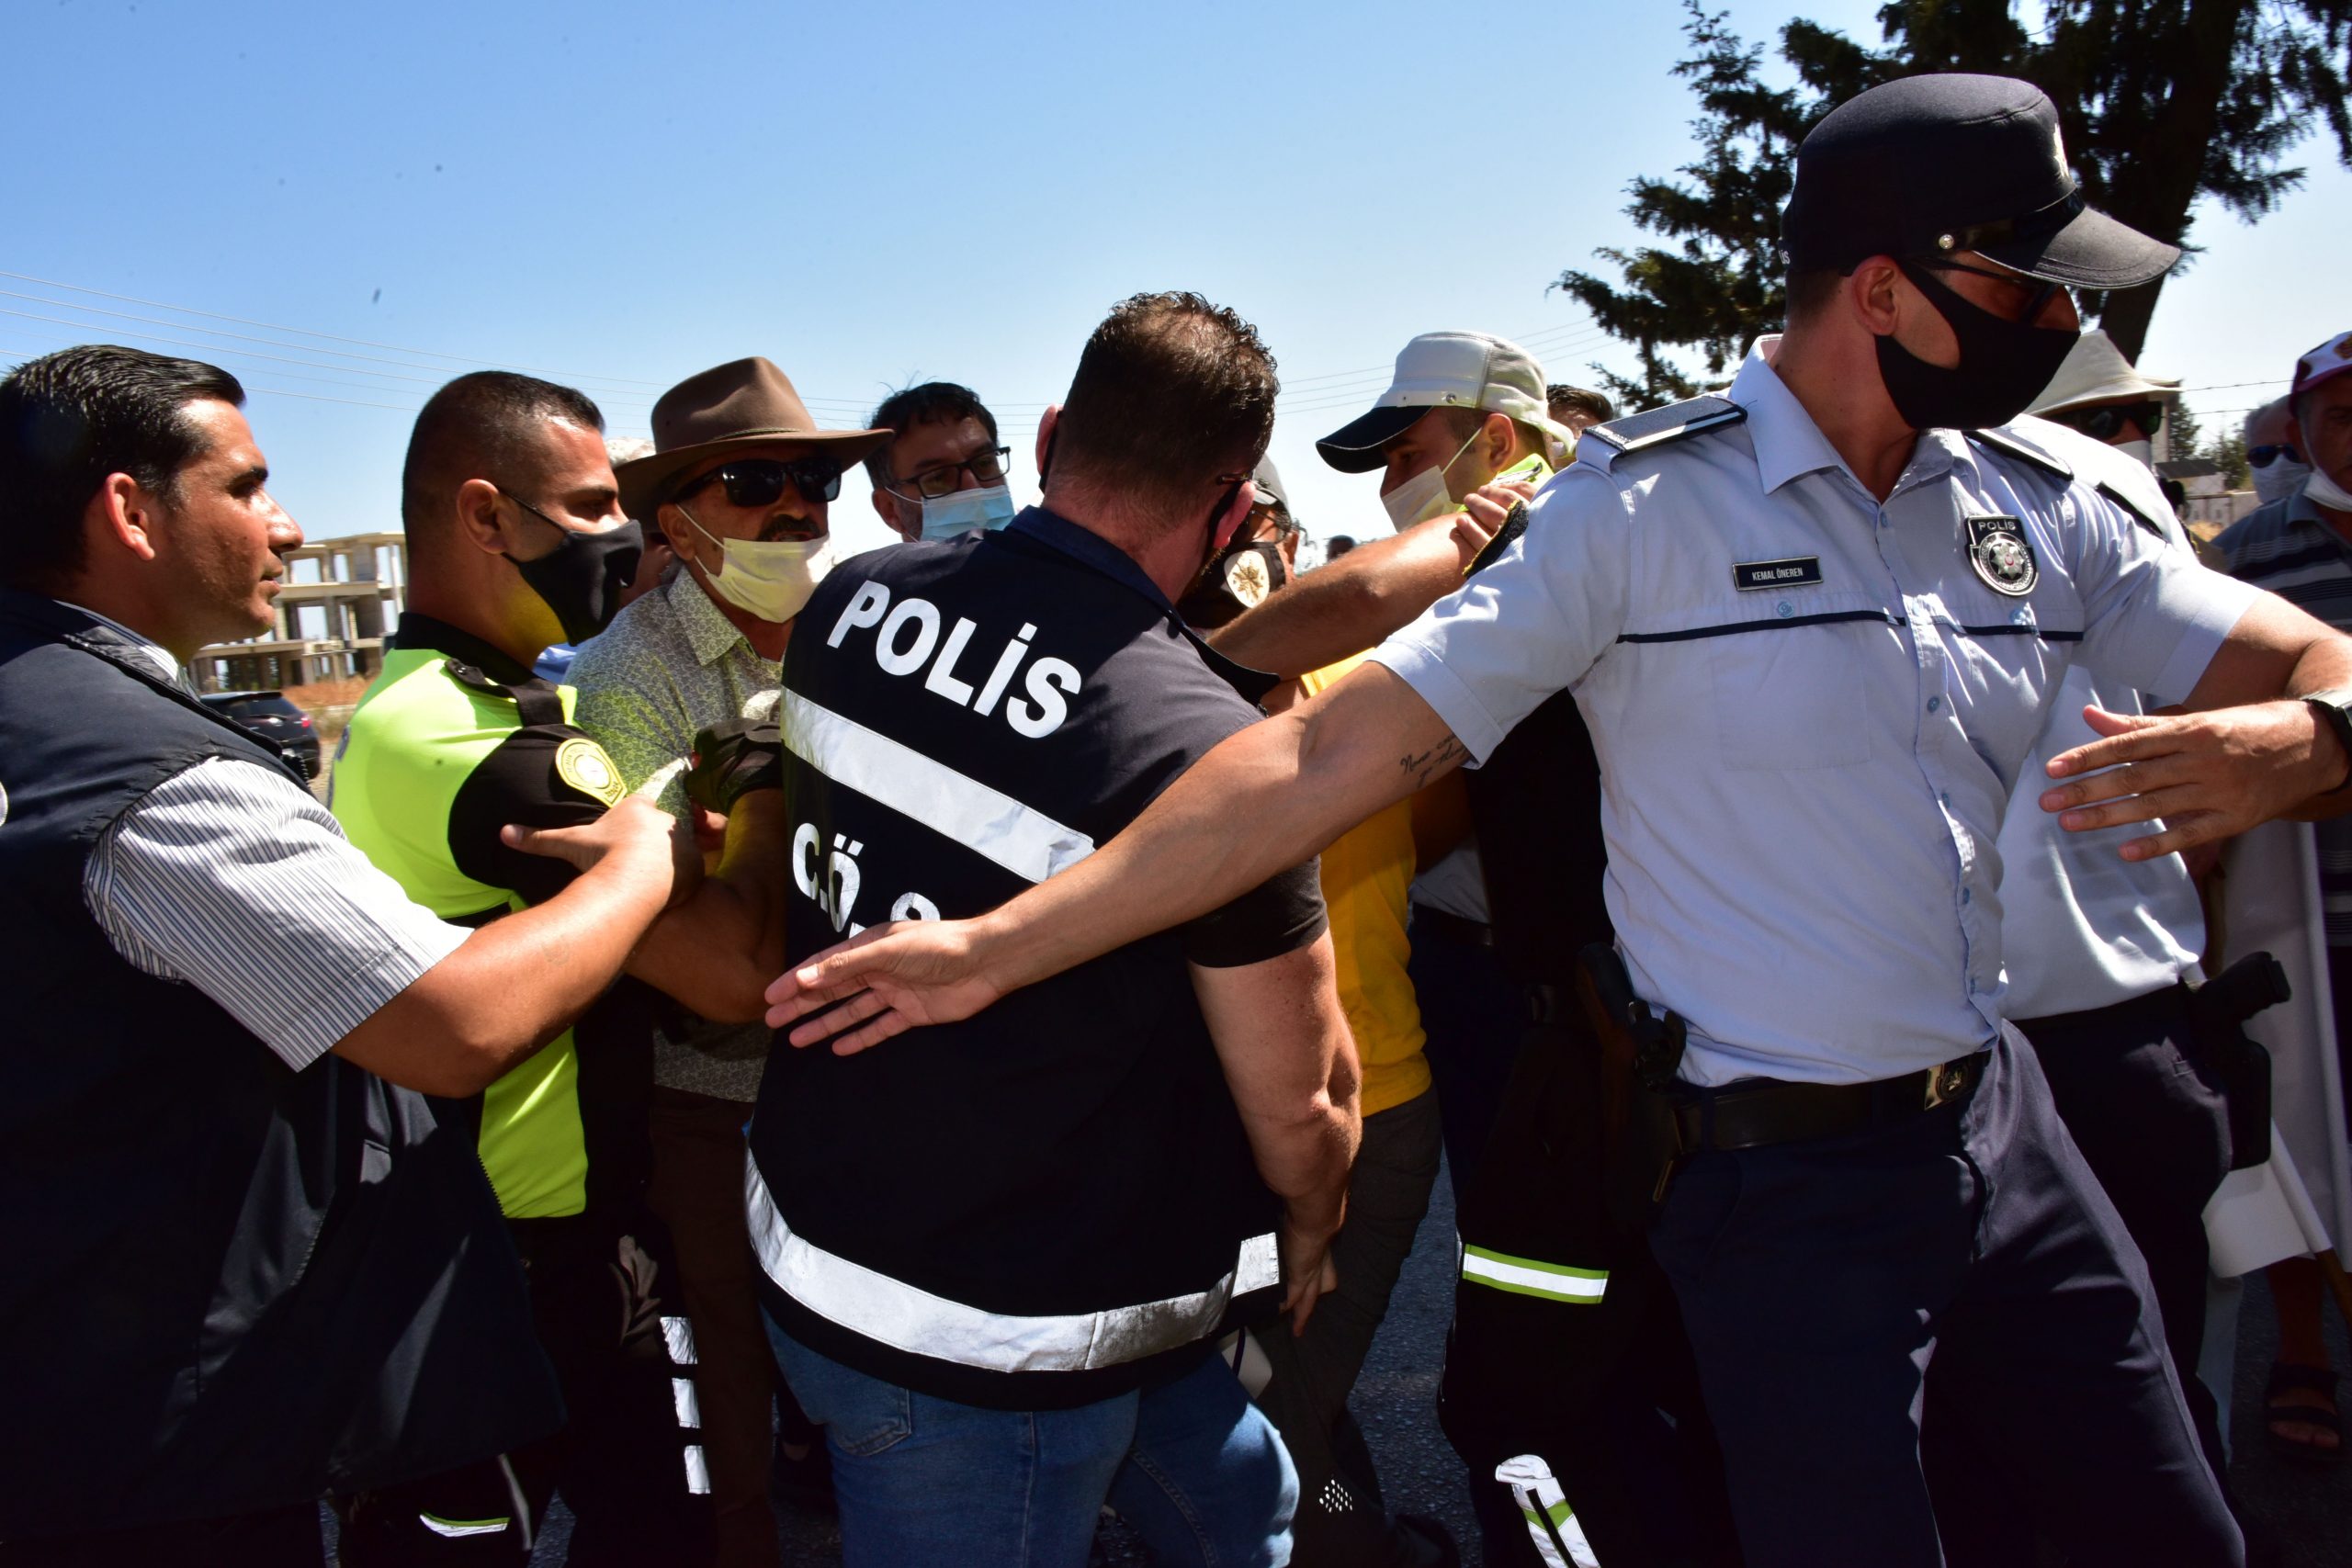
512	519
248	1260
1816	626
1014	1240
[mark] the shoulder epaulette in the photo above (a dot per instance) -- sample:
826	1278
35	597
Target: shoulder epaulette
2132	510
535	701
1663	427
2005	442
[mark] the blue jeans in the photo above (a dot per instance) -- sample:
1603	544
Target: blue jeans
1192	1465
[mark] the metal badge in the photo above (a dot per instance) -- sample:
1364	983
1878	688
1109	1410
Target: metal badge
2002	555
1247	579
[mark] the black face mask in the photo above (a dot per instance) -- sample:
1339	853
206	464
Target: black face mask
582	578
1234	581
2003	364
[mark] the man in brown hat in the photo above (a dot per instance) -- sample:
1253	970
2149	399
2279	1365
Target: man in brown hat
738	482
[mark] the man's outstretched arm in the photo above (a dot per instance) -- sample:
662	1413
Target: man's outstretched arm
1297	781
1351	603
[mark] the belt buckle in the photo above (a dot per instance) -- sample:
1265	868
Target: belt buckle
1945	1083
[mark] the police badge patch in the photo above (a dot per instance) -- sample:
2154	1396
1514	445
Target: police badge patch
1999	551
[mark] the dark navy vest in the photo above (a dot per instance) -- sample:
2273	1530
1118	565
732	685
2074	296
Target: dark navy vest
226	1285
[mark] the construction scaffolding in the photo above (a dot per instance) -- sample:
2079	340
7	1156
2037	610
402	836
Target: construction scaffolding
353	588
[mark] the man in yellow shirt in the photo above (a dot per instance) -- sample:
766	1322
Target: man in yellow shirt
1365	874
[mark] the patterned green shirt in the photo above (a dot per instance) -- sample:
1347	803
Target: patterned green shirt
669	664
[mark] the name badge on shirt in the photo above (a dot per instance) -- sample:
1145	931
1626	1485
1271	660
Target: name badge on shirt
1797	571
2002	555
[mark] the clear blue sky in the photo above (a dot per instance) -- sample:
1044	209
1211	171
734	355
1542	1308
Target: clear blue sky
624	193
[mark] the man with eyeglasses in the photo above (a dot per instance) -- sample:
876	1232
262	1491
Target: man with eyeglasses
1815	625
463	777
2272	453
941	472
738	482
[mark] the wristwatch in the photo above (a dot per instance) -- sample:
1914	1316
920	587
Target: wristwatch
2335	710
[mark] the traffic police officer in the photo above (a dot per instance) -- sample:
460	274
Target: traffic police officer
1016	1239
456	740
1816	626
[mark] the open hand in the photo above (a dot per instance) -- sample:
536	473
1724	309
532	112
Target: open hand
883	982
2209	775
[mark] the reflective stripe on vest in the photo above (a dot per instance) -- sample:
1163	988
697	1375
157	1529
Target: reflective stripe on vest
905	1317
1559	1540
1528	1276
1027	843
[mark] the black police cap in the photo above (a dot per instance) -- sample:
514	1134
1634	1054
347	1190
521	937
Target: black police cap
1929	165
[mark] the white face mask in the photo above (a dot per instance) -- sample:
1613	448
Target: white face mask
2285	476
2326	492
2141	452
960	512
1425	495
767	578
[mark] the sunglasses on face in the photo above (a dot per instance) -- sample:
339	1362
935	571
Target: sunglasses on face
754	483
2107	423
2269	452
987	467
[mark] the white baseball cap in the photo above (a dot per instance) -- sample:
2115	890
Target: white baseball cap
1464	370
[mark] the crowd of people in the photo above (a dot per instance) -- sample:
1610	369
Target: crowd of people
968	1034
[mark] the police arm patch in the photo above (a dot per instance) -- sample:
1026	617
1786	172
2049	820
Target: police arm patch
581	763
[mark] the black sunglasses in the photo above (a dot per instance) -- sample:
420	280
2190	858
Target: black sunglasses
2269	452
2040	291
760	481
987	467
2107	422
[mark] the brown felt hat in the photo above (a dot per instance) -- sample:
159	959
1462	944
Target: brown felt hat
743	403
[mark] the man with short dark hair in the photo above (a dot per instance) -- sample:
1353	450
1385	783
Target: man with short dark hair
250	1260
1578	409
1816	625
461	772
998	1255
940	473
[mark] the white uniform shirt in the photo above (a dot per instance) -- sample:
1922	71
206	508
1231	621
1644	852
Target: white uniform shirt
2082	927
1802	783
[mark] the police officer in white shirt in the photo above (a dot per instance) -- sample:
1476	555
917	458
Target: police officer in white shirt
1816	627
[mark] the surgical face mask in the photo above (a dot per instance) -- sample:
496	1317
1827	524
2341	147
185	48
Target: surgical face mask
768	579
960	512
1425	495
2142	452
2280	477
2326	493
2003	366
582	578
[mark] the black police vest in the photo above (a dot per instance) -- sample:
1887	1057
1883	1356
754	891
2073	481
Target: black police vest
1054	1202
228	1286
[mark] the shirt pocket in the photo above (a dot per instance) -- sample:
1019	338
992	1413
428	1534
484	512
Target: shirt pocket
1790	686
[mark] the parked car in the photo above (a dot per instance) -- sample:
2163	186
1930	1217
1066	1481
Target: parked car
271	717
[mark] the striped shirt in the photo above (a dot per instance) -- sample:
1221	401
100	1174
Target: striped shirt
2288	548
232	879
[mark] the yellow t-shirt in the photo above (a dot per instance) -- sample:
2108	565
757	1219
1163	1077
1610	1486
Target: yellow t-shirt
1365	874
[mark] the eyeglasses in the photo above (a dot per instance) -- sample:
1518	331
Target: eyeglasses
2106	424
986	466
2269	452
2042	290
760	481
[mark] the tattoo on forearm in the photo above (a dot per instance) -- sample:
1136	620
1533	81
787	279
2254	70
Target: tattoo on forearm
1433	762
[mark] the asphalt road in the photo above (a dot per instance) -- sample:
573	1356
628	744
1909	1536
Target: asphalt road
2306	1508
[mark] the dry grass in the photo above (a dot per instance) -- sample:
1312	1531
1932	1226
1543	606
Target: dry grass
319	695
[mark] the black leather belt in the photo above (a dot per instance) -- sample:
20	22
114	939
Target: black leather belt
1451	927
1749	1115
